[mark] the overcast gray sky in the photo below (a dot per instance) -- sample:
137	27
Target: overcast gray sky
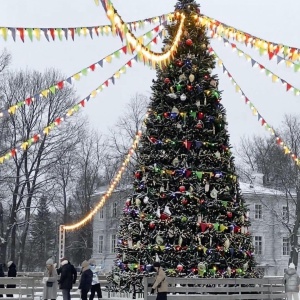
273	20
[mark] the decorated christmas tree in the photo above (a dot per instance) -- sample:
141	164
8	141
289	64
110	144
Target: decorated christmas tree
186	210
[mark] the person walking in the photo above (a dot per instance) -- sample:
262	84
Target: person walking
160	283
85	279
292	282
12	272
1	275
68	276
50	284
95	283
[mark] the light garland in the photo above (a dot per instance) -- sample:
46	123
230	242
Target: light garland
120	27
78	75
265	47
110	190
58	121
67	33
262	68
255	112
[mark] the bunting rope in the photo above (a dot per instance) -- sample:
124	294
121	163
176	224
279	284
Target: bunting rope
267	72
110	190
264	46
53	33
81	104
255	112
77	76
288	62
119	27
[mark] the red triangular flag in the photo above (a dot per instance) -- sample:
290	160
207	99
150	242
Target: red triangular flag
60	85
106	82
82	103
52	32
28	101
129	64
21	31
124	49
72	33
93	67
288	86
271	54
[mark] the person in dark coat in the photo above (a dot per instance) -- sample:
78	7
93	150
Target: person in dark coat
68	276
292	282
85	279
12	272
1	275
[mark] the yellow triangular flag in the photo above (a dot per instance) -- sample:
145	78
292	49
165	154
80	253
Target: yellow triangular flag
45	93
108	58
96	2
37	33
76	76
274	78
93	94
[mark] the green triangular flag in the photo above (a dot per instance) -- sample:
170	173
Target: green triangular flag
117	54
52	89
59	33
296	67
84	72
29	32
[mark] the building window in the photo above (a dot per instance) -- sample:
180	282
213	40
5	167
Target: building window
285	212
257	211
258	245
113	243
100	244
114	212
286	246
101	213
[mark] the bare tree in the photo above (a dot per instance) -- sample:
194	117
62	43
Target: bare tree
280	171
123	133
25	177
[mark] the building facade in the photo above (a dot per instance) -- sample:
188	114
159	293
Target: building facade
269	214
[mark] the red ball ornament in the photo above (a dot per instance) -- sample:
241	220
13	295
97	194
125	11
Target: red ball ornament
182	188
206	77
189	87
189	42
166	115
179	268
229	214
167	80
164	216
200	115
177	248
152	225
137	175
184	201
179	63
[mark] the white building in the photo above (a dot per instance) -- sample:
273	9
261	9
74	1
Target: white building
268	213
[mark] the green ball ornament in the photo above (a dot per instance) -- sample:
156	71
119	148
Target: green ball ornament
184	219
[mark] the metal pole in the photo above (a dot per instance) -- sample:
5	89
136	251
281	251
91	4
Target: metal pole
61	243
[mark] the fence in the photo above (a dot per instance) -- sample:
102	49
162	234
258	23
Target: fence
220	289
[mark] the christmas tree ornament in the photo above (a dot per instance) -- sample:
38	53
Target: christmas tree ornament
159	240
179	63
179	268
128	202
167	210
175	110
146	200
184	201
151	225
199	125
178	87
182	77
206	187
158	212
183	97
167	80
182	189
172	95
189	42
191	78
138	202
213	83
229	214
189	87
